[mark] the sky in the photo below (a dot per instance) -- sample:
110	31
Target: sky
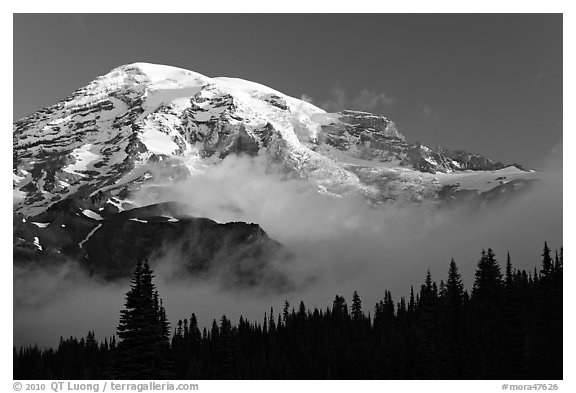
487	83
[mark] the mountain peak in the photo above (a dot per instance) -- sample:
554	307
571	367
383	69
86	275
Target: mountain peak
157	72
108	137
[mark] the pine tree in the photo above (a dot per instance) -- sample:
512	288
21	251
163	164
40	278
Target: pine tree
285	312
546	261
225	351
454	294
271	321
509	278
356	307
339	307
487	294
453	303
411	302
301	311
488	277
388	306
427	361
143	331
511	326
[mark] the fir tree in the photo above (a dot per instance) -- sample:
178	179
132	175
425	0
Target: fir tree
454	295
488	277
546	261
142	350
356	307
509	278
286	312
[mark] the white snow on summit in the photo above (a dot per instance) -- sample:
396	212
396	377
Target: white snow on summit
105	137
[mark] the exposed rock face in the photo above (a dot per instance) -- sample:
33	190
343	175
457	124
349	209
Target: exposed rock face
238	254
105	136
375	138
76	165
368	123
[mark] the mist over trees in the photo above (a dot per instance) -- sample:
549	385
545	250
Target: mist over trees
508	327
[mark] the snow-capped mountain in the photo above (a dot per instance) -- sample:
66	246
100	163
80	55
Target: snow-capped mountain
98	145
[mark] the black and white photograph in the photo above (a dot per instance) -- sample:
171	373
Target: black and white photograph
288	196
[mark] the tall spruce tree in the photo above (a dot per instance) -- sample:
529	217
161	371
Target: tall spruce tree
488	277
453	303
487	294
356	307
509	277
143	349
546	261
454	293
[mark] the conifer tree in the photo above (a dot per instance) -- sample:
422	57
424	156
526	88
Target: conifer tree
546	261
502	331
285	311
411	302
454	295
143	331
487	295
339	307
271	322
225	350
488	277
453	303
509	278
356	307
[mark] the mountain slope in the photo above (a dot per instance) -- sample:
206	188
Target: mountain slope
151	124
238	254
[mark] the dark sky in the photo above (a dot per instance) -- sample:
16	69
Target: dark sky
487	83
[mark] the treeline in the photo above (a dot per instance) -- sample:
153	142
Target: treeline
508	327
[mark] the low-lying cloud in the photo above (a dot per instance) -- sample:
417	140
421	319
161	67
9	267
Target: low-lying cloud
340	245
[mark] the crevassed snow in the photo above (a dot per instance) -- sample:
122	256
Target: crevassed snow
483	180
164	131
40	224
158	142
89	235
18	196
236	85
83	157
92	215
17	178
250	97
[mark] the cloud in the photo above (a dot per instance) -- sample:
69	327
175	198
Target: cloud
307	98
342	243
345	244
365	100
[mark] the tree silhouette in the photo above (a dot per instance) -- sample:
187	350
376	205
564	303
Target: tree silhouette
143	349
356	308
507	328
